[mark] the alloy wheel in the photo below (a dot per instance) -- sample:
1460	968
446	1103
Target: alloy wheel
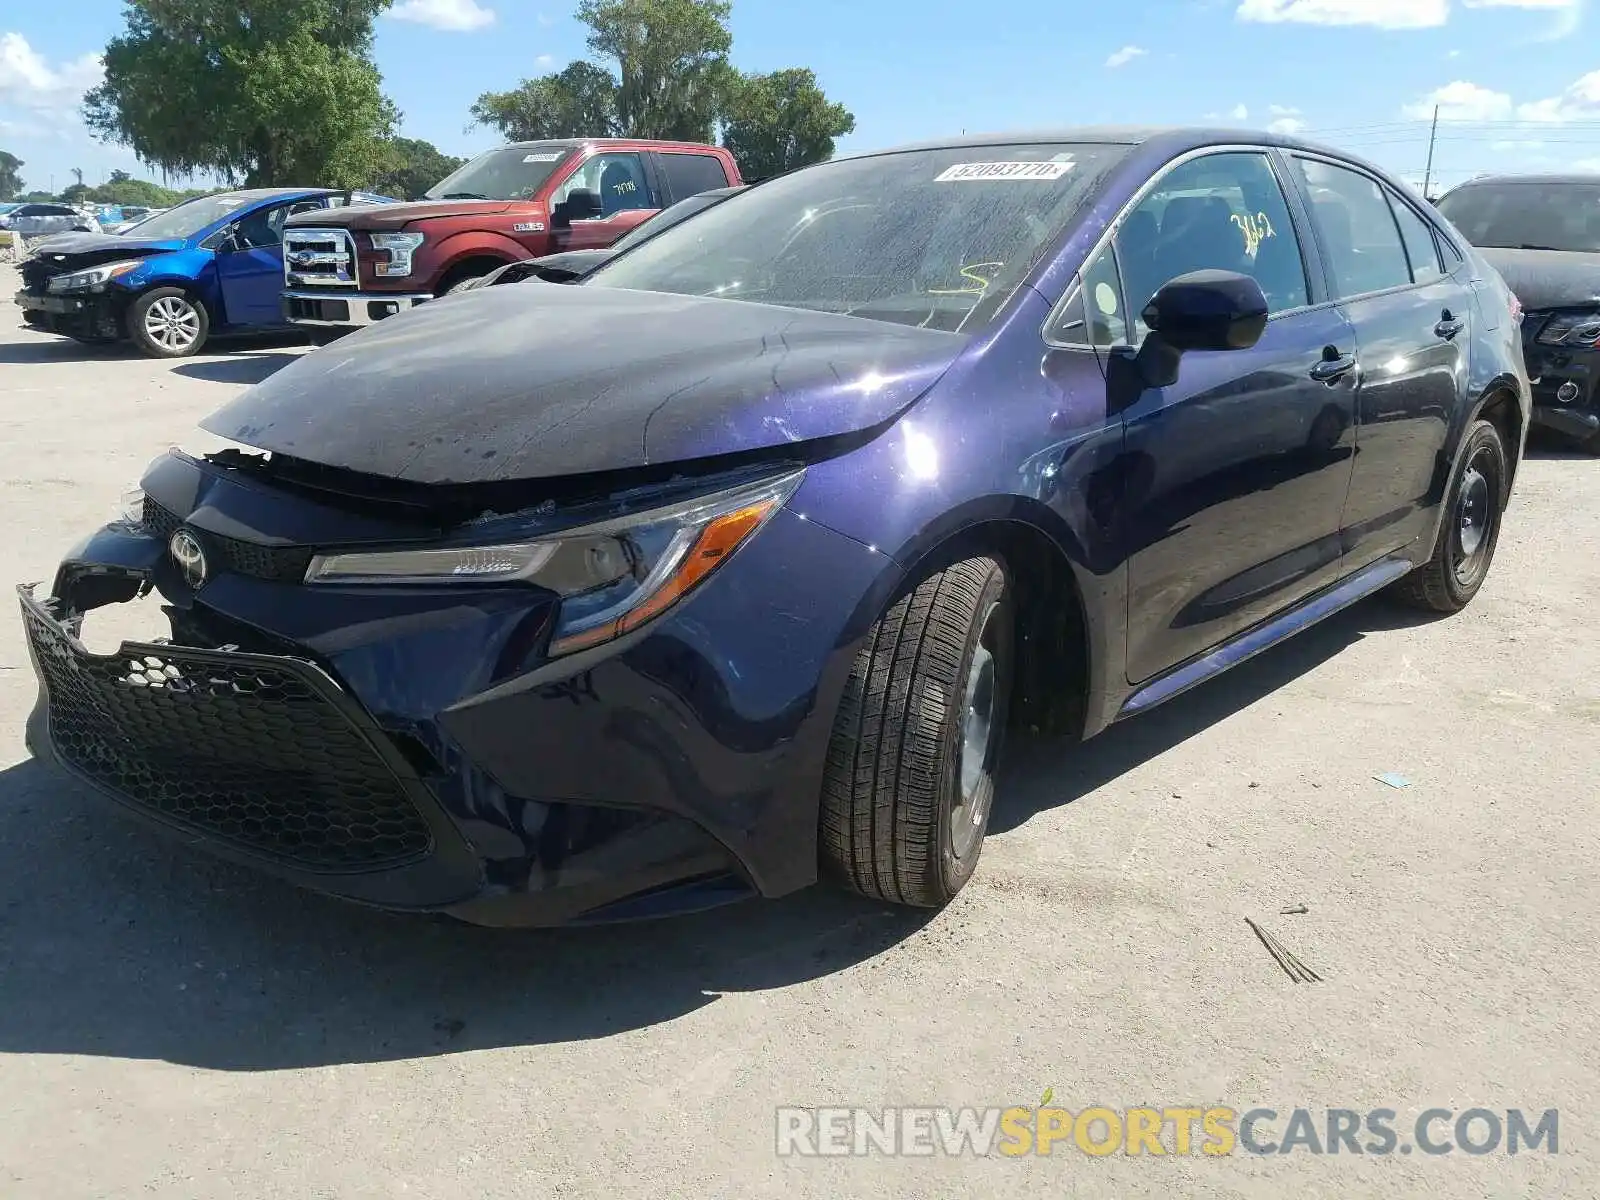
172	323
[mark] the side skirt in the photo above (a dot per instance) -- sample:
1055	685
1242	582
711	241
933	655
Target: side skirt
1264	636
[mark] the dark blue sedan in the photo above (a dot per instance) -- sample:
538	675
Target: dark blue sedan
731	565
210	266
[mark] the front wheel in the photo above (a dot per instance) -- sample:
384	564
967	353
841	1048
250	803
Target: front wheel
1468	532
917	740
166	323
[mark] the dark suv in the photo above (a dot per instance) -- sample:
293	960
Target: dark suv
731	563
1542	232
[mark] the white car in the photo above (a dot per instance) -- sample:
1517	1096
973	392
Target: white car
36	220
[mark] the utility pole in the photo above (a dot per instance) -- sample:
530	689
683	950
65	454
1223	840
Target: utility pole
1427	176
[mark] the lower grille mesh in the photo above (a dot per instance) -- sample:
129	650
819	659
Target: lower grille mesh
249	752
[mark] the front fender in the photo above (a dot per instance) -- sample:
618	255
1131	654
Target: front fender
194	271
476	243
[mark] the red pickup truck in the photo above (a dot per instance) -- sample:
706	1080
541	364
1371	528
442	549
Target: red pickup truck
345	268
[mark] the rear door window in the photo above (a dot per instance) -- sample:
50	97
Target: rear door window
690	174
1418	237
1360	238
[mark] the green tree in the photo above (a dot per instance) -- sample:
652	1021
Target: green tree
262	92
777	122
37	197
671	71
580	101
128	190
672	62
76	193
10	175
413	166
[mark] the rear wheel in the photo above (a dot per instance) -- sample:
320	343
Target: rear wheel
918	737
1469	532
166	323
323	337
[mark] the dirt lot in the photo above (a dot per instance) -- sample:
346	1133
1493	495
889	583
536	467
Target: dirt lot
172	1026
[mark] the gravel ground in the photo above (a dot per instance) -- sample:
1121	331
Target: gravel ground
172	1026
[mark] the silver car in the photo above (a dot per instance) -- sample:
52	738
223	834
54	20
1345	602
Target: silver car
36	220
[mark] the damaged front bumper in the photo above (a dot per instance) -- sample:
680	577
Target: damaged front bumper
409	748
1566	386
86	315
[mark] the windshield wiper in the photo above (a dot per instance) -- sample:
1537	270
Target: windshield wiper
462	196
1535	246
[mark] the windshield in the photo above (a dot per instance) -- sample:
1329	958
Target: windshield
190	217
936	238
1527	216
667	218
510	173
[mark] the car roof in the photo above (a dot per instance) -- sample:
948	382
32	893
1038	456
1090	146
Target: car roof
578	143
1173	138
251	195
1553	177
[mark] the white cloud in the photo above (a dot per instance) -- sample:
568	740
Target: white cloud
1568	14
1453	54
1285	119
28	82
1240	113
545	60
545	19
458	16
1461	101
1579	102
1125	56
1384	14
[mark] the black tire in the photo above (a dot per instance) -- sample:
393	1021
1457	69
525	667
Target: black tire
142	325
1591	443
461	285
897	823
1468	531
324	337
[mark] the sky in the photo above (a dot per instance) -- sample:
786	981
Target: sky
1516	82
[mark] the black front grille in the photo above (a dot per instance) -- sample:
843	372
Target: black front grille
263	753
280	564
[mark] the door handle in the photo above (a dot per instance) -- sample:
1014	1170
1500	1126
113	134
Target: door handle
1449	326
1331	370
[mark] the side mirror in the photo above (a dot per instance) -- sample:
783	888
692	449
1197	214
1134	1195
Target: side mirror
1208	310
1203	310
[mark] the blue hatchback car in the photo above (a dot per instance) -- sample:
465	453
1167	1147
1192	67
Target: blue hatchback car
208	267
730	565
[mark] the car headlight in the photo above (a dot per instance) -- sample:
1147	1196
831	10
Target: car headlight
400	247
130	506
1571	329
94	279
612	576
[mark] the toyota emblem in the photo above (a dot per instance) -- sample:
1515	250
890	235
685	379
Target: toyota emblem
191	559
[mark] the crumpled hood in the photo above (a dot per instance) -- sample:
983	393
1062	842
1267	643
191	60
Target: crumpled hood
74	251
395	216
515	383
1548	278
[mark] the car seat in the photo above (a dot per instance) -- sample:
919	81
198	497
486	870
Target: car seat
618	189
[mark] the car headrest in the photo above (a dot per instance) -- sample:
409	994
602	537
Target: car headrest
1184	213
1139	230
1334	218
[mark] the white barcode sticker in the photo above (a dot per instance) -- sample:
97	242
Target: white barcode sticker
544	156
978	171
